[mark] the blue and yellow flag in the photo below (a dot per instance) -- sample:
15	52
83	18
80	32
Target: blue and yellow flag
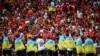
19	44
79	46
6	44
50	45
51	8
89	46
69	42
61	42
31	46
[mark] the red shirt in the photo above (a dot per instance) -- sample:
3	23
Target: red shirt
53	36
44	34
57	21
58	10
92	34
64	8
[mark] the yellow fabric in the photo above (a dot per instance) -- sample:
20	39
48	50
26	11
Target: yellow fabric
61	45
80	49
31	48
6	45
50	47
90	49
35	49
19	47
51	9
69	44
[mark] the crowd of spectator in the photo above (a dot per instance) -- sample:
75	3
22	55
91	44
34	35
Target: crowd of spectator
32	18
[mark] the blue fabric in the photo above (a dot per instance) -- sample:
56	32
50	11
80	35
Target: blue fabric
5	39
51	6
61	38
18	41
50	42
69	37
79	41
31	42
88	41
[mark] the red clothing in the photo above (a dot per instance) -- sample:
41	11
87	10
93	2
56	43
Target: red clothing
58	10
57	21
30	12
45	6
38	1
64	7
44	34
53	36
92	34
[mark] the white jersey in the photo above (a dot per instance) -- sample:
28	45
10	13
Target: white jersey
40	43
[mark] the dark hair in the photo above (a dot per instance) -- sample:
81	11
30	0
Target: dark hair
17	35
29	37
33	39
48	38
40	36
67	34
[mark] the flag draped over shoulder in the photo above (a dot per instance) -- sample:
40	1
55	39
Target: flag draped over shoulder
6	44
69	42
50	45
61	42
79	46
89	46
19	44
31	46
61	45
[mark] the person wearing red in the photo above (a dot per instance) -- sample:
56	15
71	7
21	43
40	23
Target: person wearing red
30	12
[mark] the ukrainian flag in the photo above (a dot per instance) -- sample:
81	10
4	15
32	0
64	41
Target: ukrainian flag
80	49
69	42
61	42
19	45
79	46
51	8
6	44
31	46
50	45
89	46
90	49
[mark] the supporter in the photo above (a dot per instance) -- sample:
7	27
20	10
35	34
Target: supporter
79	47
50	17
88	46
41	48
50	46
19	46
61	44
69	44
31	47
6	46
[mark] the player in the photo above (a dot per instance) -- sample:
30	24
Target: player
90	50
6	46
40	44
19	46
